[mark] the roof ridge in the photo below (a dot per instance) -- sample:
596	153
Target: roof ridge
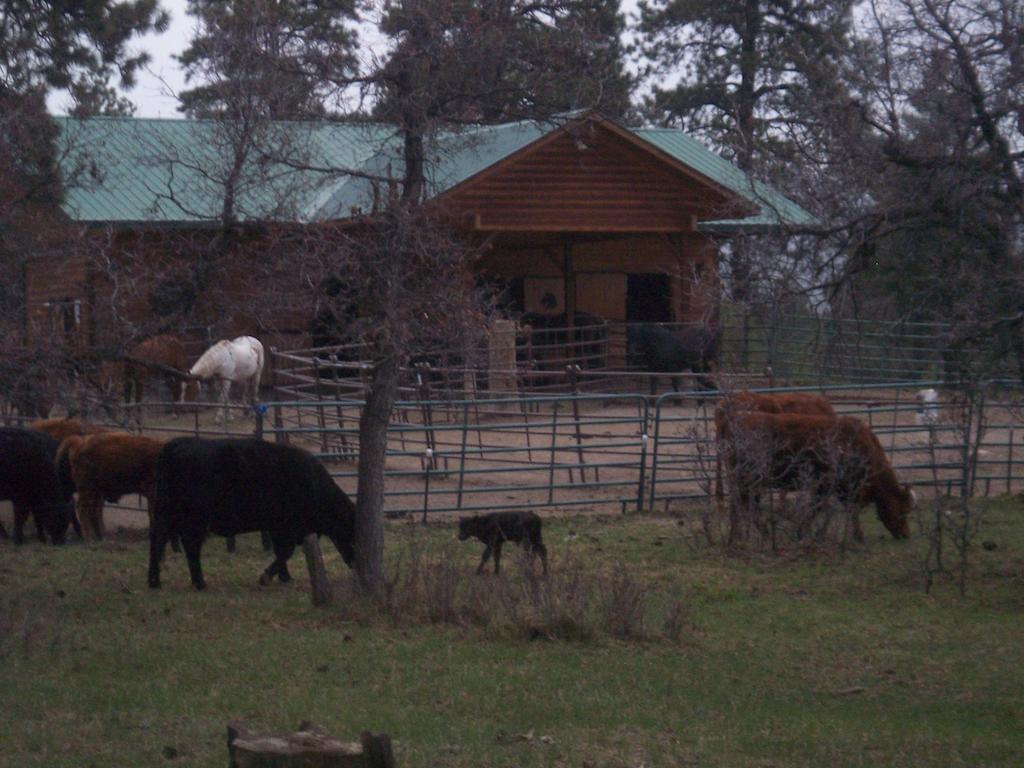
664	129
212	120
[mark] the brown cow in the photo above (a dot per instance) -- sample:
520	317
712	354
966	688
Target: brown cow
806	403
61	429
106	467
839	456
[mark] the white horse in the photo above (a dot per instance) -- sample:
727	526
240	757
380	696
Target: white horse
238	361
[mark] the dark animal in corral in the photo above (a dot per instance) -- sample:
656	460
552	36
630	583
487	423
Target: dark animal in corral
61	429
494	529
658	350
158	357
228	487
828	456
106	467
729	407
30	480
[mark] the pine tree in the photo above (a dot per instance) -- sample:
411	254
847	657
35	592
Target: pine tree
58	43
78	46
745	66
504	60
266	58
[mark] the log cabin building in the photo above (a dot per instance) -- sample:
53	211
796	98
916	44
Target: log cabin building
583	215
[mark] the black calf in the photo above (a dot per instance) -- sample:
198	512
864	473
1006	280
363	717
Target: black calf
496	528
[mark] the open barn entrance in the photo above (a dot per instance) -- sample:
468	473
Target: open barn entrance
648	298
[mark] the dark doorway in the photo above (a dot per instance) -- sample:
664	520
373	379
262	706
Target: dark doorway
648	299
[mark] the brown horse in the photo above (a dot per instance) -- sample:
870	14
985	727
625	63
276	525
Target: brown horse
158	356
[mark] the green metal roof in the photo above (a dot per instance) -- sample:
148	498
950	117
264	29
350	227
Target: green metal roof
158	171
126	170
775	208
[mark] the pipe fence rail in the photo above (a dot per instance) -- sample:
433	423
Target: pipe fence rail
617	451
635	451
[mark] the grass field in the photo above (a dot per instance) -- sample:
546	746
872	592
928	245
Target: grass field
822	659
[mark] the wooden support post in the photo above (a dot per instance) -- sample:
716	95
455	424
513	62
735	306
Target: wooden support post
317	573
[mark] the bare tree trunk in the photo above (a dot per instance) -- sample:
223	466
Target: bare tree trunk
373	443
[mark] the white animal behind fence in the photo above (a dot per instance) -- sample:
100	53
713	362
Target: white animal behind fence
927	414
239	361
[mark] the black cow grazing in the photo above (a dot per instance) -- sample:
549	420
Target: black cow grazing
237	486
496	528
659	350
30	480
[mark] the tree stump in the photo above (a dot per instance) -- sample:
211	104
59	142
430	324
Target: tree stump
309	747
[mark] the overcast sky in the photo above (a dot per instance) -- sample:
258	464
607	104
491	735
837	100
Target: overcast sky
152	97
